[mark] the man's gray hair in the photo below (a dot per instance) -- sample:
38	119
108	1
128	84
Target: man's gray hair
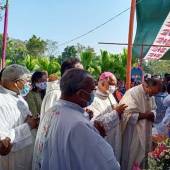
73	80
15	72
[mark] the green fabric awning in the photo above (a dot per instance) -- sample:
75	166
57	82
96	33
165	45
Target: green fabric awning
151	15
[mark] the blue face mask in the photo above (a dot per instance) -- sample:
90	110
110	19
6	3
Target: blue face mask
25	90
91	98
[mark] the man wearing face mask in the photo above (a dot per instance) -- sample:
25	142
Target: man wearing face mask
137	122
106	111
66	140
16	121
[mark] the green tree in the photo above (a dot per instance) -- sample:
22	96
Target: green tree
51	65
36	46
159	67
69	51
51	49
16	50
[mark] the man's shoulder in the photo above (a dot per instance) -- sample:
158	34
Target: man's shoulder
82	126
55	93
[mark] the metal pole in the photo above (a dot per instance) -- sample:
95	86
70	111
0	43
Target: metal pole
4	42
141	57
130	39
144	45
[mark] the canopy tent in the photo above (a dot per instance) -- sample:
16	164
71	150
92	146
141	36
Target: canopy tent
151	15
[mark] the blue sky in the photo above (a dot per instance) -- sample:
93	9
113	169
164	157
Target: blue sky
62	20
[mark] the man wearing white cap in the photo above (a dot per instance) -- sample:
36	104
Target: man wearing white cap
106	111
16	121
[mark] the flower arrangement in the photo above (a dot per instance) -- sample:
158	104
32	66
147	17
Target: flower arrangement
159	159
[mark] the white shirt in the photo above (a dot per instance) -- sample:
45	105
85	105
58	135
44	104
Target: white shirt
13	113
52	95
66	140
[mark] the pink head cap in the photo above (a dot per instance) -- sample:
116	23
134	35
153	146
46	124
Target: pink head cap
105	75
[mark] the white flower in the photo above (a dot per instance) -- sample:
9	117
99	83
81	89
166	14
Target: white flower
162	154
167	157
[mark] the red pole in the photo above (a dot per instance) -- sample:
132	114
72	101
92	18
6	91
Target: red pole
4	43
141	57
130	39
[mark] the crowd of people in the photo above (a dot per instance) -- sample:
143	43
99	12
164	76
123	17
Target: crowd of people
77	123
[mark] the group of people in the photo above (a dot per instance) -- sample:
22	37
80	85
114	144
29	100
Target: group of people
74	122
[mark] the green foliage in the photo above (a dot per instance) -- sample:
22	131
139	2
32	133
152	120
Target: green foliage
157	67
37	54
69	51
49	65
36	46
115	63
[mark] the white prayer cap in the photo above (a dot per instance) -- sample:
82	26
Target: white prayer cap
15	72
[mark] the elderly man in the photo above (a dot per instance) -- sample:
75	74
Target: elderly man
53	87
15	119
66	140
105	110
137	122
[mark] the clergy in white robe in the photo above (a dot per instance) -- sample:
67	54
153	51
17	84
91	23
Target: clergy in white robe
103	108
66	140
137	122
53	92
14	113
52	95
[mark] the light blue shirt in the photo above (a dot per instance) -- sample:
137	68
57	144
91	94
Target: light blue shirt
66	140
161	109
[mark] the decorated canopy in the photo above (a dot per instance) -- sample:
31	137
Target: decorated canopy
153	27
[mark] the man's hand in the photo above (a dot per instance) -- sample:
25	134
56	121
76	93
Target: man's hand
121	108
90	113
32	122
5	146
100	127
148	115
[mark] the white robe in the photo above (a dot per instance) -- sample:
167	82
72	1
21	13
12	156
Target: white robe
13	112
103	111
66	140
136	140
52	95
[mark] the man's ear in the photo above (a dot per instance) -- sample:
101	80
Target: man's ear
81	93
16	83
103	83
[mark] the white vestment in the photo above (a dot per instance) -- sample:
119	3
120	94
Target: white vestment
136	140
102	108
52	95
66	140
13	113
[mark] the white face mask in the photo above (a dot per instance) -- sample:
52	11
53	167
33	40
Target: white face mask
112	89
42	85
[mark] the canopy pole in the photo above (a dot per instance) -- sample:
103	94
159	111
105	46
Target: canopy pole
130	39
4	42
141	57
